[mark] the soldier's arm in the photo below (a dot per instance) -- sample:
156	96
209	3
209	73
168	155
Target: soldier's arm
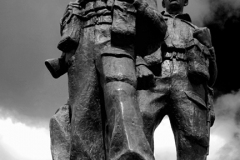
154	19
70	28
70	35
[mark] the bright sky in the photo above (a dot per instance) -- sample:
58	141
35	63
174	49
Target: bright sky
24	142
19	141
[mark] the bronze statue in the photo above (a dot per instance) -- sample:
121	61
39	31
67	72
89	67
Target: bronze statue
77	128
175	81
128	66
98	44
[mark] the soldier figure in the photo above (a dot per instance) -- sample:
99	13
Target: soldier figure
77	128
98	39
175	81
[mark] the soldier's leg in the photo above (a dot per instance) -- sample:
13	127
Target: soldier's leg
188	118
60	133
125	136
153	104
85	102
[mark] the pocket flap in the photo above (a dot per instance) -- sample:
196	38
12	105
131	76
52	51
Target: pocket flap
194	97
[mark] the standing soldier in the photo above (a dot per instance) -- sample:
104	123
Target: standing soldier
99	39
125	139
178	76
77	128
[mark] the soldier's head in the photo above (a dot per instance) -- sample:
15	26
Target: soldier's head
174	6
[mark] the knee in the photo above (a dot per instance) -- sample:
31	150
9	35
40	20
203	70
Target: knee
119	89
118	70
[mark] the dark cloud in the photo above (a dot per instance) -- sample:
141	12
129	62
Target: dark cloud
226	46
224	23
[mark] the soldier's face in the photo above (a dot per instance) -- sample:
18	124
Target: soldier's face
174	6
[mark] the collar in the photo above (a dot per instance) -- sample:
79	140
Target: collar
184	16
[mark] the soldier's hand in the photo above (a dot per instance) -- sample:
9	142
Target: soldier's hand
203	35
145	76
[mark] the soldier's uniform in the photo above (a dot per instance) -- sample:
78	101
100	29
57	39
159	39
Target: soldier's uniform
84	139
181	70
104	34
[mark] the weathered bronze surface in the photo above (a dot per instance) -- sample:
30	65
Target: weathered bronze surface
181	73
128	66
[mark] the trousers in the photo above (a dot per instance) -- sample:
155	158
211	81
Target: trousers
124	135
174	94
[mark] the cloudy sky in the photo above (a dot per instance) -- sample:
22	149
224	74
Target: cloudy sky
29	96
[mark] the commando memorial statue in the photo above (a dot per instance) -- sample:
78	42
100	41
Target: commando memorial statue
181	73
128	66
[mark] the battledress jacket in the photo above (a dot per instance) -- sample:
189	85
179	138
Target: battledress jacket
130	27
201	60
